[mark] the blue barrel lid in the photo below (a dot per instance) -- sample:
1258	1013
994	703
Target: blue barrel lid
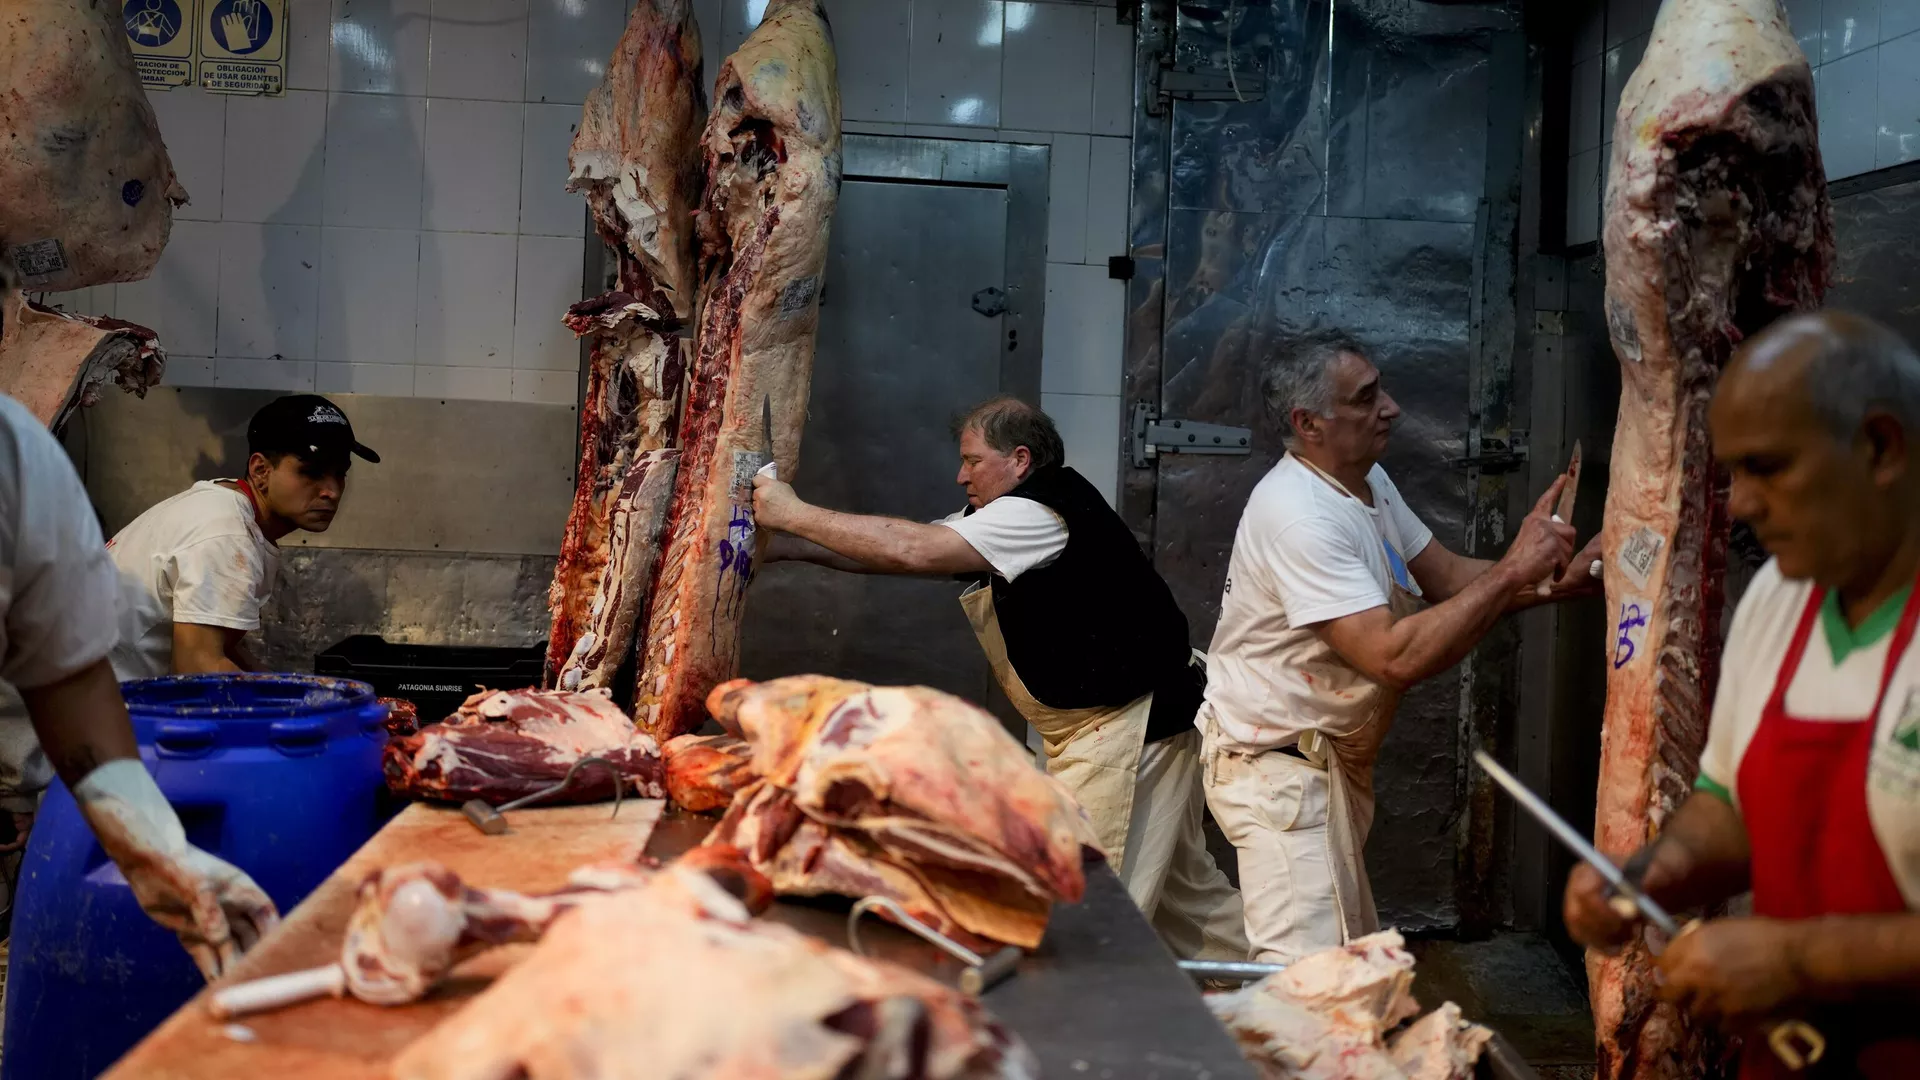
241	696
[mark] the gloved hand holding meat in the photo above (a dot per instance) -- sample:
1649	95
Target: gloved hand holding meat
903	792
217	911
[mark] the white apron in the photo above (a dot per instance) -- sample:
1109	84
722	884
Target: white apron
1348	756
1095	752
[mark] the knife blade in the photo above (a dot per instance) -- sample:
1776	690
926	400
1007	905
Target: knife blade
1565	833
766	435
1563	510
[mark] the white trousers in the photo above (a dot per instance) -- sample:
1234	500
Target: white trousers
1167	868
1273	807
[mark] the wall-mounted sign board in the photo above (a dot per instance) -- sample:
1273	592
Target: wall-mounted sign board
225	46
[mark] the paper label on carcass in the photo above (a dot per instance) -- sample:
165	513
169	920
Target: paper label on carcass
1630	630
40	260
1639	552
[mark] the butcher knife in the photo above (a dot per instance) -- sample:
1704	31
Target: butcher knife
1795	1042
748	464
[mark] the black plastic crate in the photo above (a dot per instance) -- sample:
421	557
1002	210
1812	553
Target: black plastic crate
436	678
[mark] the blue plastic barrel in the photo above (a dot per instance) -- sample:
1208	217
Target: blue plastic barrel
277	774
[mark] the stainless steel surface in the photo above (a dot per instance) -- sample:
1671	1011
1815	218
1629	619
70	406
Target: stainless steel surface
489	477
1243	970
1354	195
1556	825
901	351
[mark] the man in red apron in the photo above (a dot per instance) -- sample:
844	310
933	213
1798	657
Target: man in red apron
1809	788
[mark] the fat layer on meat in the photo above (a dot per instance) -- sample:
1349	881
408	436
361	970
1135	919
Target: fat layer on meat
903	792
705	772
772	158
674	979
55	363
504	744
1717	223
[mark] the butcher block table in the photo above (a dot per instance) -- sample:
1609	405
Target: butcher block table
1101	998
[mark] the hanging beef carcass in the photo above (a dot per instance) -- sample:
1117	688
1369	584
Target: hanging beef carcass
1717	223
773	176
505	744
637	159
54	363
86	188
902	792
675	979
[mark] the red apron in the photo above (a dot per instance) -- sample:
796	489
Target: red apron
1814	852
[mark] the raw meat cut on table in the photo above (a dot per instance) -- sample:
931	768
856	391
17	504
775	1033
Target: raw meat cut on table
1332	1016
705	772
637	159
87	191
54	363
675	979
413	923
403	716
1717	224
772	150
503	744
903	792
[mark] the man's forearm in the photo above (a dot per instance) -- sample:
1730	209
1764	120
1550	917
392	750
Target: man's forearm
81	722
785	547
878	544
1434	640
1844	958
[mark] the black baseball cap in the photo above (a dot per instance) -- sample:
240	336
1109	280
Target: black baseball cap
304	424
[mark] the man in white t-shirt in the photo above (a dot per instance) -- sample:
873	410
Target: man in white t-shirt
1084	637
1809	789
1323	624
56	626
196	569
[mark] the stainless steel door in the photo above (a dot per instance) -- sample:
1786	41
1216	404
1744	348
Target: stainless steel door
901	350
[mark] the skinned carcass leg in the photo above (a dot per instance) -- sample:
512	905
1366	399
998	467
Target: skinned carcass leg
1717	223
636	158
773	177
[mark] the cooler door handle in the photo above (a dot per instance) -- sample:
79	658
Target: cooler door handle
302	737
185	738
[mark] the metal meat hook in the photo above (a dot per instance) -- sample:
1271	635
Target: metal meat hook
981	973
491	820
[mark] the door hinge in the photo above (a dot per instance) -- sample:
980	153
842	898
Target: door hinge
1495	455
1153	436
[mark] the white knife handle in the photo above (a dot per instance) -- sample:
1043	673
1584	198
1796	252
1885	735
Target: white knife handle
278	991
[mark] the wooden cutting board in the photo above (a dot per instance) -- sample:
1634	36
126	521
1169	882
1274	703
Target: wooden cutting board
344	1038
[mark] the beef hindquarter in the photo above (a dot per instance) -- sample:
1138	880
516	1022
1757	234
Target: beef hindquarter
1717	223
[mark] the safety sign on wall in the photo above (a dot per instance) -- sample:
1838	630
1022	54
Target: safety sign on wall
226	46
162	35
243	46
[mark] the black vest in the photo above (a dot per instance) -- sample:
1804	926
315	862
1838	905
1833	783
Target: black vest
1097	627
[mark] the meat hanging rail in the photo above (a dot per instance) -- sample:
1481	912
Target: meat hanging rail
1717	223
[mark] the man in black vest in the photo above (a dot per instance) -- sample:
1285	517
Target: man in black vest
1084	637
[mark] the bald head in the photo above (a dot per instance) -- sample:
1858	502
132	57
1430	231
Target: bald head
1813	419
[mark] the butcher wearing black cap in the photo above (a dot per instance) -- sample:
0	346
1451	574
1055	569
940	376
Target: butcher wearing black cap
196	569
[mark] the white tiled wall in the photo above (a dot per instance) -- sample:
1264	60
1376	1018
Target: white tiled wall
387	225
1866	75
398	224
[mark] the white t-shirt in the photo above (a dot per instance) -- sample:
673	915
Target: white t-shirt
1756	648
1305	553
57	589
1013	534
198	557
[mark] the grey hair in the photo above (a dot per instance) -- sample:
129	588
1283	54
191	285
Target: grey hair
1006	423
1302	378
1859	366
